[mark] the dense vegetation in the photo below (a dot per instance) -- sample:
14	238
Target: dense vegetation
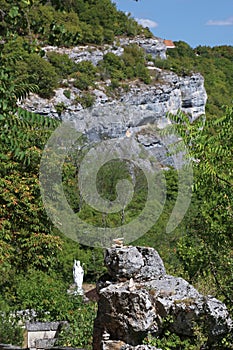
35	258
66	23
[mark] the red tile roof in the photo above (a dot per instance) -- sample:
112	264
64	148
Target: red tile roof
169	43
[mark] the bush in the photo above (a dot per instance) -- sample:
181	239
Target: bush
63	65
48	298
80	329
86	100
45	294
87	67
43	74
10	331
85	75
128	66
67	93
83	81
60	108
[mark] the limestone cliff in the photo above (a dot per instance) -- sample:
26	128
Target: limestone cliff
167	93
128	112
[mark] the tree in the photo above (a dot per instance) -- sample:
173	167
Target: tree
24	226
206	249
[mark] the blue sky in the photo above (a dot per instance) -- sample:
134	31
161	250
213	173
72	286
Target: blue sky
197	22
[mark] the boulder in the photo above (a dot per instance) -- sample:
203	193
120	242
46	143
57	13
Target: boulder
137	262
137	295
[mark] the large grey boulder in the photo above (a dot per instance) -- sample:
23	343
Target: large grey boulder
137	295
137	262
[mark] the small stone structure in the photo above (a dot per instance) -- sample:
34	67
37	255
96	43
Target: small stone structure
136	295
41	335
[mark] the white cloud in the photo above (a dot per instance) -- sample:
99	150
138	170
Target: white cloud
224	22
147	22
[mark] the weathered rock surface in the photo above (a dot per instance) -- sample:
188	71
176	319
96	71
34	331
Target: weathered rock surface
134	112
137	294
138	263
153	46
118	345
168	93
129	112
172	94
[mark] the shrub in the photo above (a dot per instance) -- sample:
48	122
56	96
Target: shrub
86	100
80	329
130	65
43	74
82	81
63	65
10	331
47	296
85	75
67	93
87	67
43	293
60	108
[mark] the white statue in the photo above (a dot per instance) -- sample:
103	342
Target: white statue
78	277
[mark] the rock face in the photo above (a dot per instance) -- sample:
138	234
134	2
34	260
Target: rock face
127	113
131	112
137	294
171	94
153	46
167	93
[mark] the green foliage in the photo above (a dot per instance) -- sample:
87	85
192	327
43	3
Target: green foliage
46	296
169	340
63	65
134	60
67	23
132	64
35	261
91	258
83	81
32	268
60	108
206	248
10	331
79	331
86	100
24	226
29	68
67	93
43	74
85	75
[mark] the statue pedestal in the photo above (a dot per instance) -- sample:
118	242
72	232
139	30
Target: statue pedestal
78	291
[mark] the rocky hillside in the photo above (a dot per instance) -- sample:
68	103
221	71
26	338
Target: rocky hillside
147	103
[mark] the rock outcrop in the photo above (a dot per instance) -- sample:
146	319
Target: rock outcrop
130	112
170	94
136	296
153	46
167	93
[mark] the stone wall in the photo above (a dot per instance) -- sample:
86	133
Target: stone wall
41	335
